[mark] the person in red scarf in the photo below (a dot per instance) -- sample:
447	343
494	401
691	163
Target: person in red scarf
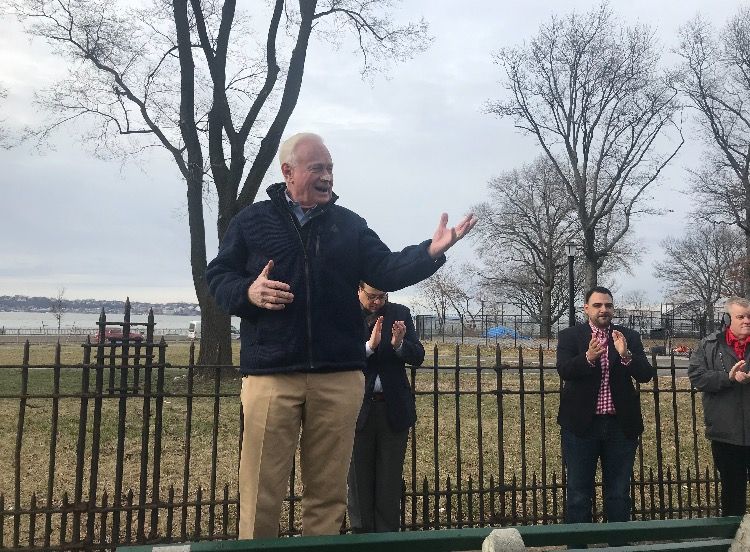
718	368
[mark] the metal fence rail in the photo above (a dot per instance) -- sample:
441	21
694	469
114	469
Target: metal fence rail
126	448
656	324
79	331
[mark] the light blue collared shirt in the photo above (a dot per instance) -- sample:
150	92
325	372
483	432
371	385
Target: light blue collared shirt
303	217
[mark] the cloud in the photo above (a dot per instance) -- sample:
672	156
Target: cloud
406	148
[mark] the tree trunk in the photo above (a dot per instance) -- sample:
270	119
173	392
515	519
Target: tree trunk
590	264
591	273
746	263
216	343
546	313
710	316
215	347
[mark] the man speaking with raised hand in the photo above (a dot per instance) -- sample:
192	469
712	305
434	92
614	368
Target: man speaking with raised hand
290	267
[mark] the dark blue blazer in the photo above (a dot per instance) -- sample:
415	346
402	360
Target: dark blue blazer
384	362
581	381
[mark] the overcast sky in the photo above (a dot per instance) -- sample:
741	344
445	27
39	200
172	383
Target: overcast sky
405	148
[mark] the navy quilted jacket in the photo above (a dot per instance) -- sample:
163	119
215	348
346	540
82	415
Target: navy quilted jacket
321	330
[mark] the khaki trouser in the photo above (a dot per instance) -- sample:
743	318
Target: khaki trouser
274	408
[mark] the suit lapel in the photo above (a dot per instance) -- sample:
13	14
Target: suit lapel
584	336
387	331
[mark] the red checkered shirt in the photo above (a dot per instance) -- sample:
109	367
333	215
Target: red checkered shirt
604	403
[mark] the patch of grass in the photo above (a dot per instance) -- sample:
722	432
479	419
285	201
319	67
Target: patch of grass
71	353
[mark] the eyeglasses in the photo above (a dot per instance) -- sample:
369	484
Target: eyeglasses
375	296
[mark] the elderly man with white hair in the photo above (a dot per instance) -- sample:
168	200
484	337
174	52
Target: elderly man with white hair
719	368
290	268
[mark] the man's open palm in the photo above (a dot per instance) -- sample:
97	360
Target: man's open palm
444	238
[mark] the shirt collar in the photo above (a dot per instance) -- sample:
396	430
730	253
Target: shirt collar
303	216
599	332
294	204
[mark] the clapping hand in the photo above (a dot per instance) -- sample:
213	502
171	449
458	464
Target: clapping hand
399	331
595	350
621	344
377	329
738	373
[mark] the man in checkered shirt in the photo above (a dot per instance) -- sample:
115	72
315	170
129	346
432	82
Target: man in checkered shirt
600	409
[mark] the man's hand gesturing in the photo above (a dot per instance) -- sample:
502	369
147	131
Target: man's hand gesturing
398	333
621	344
269	294
444	238
377	329
738	373
594	351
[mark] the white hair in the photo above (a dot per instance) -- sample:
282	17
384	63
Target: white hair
739	301
289	146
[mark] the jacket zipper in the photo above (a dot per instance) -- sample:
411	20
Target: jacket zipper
308	310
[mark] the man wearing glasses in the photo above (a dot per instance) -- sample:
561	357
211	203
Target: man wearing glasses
386	415
289	267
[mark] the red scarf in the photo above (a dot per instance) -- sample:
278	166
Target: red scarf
738	346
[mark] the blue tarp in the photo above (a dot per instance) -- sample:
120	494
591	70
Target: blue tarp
504	331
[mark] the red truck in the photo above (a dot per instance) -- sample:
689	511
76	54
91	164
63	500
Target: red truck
115	335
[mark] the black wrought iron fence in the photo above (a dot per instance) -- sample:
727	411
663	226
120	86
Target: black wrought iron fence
504	327
126	448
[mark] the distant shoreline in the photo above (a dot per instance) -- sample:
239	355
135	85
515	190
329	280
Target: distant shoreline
23	303
74	322
84	322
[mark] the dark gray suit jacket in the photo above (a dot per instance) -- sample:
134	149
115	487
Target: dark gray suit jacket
384	362
581	381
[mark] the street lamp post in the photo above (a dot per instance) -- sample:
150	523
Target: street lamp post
570	249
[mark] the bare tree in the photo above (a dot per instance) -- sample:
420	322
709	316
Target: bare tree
698	266
442	293
197	79
637	309
715	77
589	91
635	300
57	308
737	276
521	238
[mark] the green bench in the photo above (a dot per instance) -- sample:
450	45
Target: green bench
699	534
